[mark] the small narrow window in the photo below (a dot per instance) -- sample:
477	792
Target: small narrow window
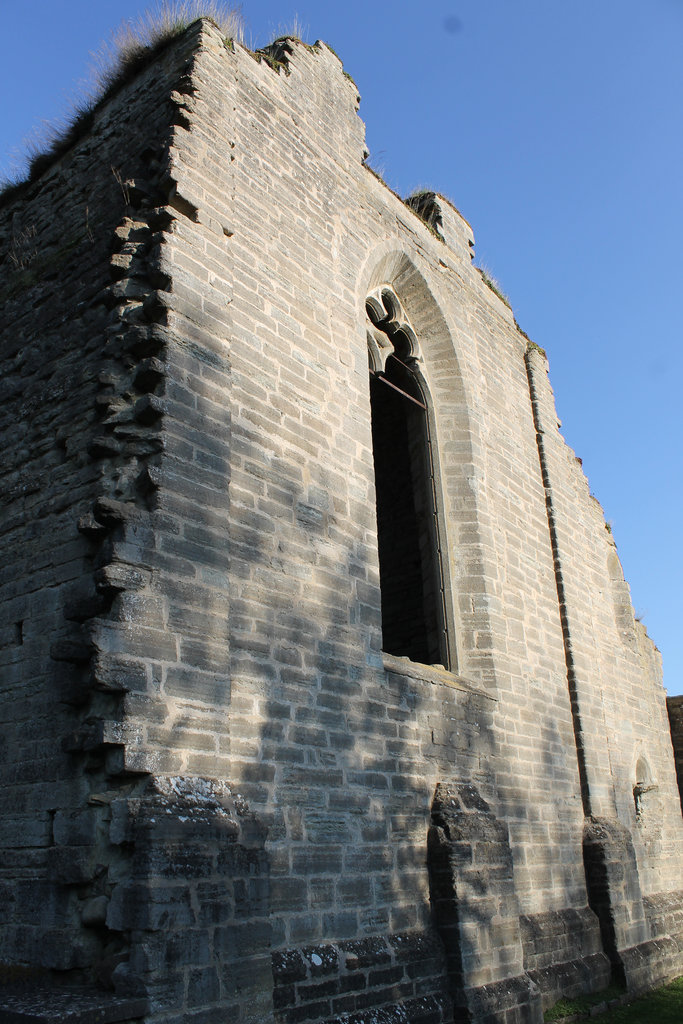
644	790
413	621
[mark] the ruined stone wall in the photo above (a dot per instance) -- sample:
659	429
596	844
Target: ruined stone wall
305	482
278	820
616	671
79	434
674	706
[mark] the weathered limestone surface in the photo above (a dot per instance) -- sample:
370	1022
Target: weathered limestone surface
220	796
674	706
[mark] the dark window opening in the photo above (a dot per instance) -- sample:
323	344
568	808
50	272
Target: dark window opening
407	534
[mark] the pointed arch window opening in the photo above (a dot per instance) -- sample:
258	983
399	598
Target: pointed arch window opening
409	537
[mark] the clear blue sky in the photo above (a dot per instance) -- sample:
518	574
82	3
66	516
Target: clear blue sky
556	129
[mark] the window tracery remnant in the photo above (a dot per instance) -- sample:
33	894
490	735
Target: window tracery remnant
411	576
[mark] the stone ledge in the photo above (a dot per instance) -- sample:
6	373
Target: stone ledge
433	674
42	1005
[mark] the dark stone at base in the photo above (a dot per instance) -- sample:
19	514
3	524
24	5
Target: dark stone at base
651	964
571	979
504	1002
382	979
426	1010
41	1005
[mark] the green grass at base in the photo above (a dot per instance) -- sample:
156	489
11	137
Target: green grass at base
663	1006
581	1004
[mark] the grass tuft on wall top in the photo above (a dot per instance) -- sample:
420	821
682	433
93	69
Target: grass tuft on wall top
130	48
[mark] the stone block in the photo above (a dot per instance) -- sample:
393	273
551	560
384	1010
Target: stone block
75	828
42	1005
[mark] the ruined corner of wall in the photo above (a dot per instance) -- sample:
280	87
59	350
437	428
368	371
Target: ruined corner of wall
445	221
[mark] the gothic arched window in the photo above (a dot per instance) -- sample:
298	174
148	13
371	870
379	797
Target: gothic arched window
411	578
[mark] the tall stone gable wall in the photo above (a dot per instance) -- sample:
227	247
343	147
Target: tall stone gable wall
674	706
218	793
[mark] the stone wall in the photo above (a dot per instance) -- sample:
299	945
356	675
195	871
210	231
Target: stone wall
674	706
227	797
77	433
